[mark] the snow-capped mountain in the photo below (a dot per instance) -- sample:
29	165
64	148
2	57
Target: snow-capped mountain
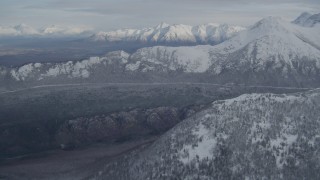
307	19
257	136
178	33
271	52
25	30
271	45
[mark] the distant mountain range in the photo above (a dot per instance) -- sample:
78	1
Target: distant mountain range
178	33
250	137
272	51
210	33
24	30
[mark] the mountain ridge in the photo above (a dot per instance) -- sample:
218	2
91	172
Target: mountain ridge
164	33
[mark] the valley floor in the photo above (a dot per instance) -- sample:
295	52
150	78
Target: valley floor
149	84
75	164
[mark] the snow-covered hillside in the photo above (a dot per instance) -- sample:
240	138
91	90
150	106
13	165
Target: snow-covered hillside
257	136
178	33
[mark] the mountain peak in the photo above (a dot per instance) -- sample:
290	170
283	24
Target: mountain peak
212	24
305	14
307	19
302	18
271	20
268	24
162	25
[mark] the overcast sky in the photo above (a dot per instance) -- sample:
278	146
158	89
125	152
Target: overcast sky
113	14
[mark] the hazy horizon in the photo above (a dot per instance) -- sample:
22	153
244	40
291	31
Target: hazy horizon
99	15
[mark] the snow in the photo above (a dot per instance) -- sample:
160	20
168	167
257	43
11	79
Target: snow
14	75
133	67
116	55
291	98
3	71
37	65
148	68
282	144
257	127
191	59
58	69
313	140
53	72
203	149
178	33
262	127
24	71
204	143
77	69
194	59
310	35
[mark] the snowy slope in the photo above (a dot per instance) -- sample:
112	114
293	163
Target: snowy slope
189	59
165	33
257	136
